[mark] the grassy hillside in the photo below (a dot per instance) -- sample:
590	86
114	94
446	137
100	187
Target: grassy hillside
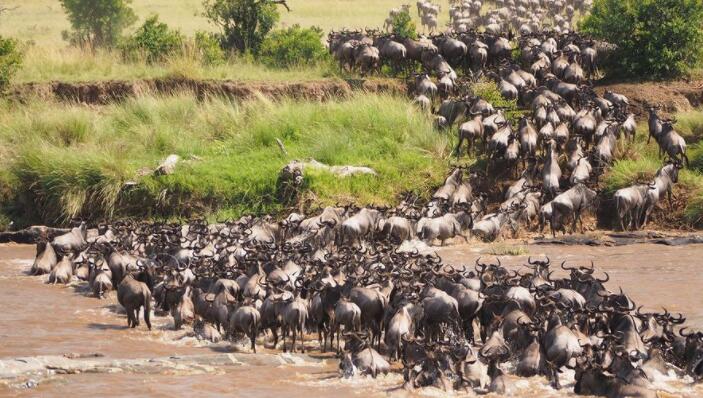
60	161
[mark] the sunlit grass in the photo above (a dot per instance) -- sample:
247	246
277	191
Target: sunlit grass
69	64
64	161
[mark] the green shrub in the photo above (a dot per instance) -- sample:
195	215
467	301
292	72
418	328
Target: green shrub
10	60
208	48
655	38
403	25
244	24
97	23
293	46
153	41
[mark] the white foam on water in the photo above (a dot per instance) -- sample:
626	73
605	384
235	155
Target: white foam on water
300	360
380	383
21	262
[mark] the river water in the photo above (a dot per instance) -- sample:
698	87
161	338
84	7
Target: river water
40	319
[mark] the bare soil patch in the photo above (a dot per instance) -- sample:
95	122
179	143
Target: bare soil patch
673	96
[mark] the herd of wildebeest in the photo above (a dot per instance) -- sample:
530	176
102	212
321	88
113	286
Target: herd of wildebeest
377	303
365	279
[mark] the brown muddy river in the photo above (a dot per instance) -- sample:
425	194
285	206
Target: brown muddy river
40	319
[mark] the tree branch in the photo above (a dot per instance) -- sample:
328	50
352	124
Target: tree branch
279	2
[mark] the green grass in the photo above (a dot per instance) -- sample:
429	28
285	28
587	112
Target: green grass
690	125
506	249
640	162
62	161
68	64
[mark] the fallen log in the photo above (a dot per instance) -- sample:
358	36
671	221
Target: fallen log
32	234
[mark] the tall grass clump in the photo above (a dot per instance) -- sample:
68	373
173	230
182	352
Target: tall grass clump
690	125
230	155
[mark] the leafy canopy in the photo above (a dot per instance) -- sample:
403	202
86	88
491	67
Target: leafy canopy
403	25
97	23
244	24
154	41
655	38
10	61
293	46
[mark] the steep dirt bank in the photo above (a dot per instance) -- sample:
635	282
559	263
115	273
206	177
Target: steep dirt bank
99	93
674	96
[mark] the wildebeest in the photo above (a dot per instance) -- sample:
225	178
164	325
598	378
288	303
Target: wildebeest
133	293
572	203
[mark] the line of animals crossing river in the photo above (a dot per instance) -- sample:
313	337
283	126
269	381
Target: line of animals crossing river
378	304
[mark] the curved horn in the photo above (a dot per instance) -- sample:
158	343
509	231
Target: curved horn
567	268
607	278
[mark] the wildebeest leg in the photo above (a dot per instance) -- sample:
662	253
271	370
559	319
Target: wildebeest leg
129	317
469	327
136	315
295	335
458	146
274	331
302	339
319	336
284	333
646	216
553	223
253	337
668	195
577	218
557	385
339	349
622	221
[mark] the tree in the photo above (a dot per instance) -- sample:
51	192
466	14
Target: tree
655	38
293	46
244	23
10	60
153	40
403	25
97	23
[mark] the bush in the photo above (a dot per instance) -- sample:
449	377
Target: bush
244	23
153	41
293	46
97	23
657	38
208	48
403	25
10	60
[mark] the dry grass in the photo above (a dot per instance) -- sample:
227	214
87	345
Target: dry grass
70	64
42	21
